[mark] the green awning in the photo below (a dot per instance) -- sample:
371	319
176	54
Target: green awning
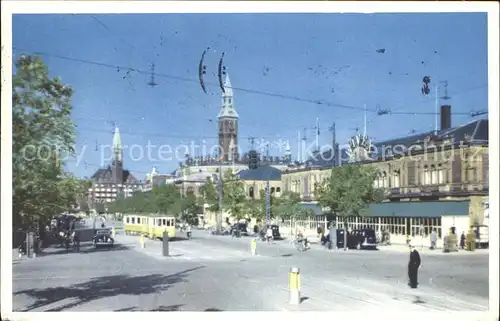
417	209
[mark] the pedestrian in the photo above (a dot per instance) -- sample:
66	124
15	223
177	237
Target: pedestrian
413	266
433	239
462	240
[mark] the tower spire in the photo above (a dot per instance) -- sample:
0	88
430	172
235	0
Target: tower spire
117	145
227	109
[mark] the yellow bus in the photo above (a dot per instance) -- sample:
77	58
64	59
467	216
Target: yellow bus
150	225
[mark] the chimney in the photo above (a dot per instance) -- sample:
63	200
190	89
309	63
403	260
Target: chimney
445	117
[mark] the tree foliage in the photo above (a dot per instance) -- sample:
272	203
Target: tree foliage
43	134
162	199
210	195
288	205
190	208
233	195
348	190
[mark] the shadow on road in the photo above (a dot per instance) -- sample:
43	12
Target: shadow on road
161	308
104	287
86	248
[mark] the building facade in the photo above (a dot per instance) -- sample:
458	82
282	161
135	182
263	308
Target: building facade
444	171
113	182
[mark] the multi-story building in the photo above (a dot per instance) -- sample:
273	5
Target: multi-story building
113	182
425	178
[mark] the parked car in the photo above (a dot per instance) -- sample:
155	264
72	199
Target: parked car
239	229
276	232
362	239
103	237
325	240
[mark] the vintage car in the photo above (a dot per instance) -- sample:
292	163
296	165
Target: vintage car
362	239
103	237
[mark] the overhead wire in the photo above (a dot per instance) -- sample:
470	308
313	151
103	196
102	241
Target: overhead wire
158	134
213	84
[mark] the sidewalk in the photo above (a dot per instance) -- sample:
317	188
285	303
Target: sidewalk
402	248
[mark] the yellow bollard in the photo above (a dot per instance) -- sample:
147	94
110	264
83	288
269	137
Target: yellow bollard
143	244
294	285
253	246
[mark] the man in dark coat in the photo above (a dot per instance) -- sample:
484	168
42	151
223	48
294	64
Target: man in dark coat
413	266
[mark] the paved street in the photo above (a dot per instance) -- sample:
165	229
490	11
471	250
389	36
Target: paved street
219	273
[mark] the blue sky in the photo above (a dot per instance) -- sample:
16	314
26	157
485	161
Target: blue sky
319	57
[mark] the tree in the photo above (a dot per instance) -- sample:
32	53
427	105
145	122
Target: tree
43	135
234	195
168	199
210	195
191	208
288	205
348	189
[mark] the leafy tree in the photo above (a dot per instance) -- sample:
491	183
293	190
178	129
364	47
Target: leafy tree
167	199
210	195
348	190
43	134
191	208
255	209
288	205
234	195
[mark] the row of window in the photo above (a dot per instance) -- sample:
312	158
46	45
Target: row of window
156	221
251	191
116	185
431	175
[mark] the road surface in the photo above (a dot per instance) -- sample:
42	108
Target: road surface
218	273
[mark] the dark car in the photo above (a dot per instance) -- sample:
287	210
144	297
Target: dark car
103	237
276	232
239	229
325	240
362	239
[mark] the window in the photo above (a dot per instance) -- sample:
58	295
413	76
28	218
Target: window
127	220
272	190
396	179
440	175
278	189
385	182
138	220
133	220
250	192
426	177
433	173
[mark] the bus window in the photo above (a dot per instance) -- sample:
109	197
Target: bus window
164	222
127	220
138	220
158	221
133	220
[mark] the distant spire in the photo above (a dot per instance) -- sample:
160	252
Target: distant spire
288	150
228	88
117	145
227	109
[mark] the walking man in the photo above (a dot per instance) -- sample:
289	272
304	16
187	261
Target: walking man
413	266
433	239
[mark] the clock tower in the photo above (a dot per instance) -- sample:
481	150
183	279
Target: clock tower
228	125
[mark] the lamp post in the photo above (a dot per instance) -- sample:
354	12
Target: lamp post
220	192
